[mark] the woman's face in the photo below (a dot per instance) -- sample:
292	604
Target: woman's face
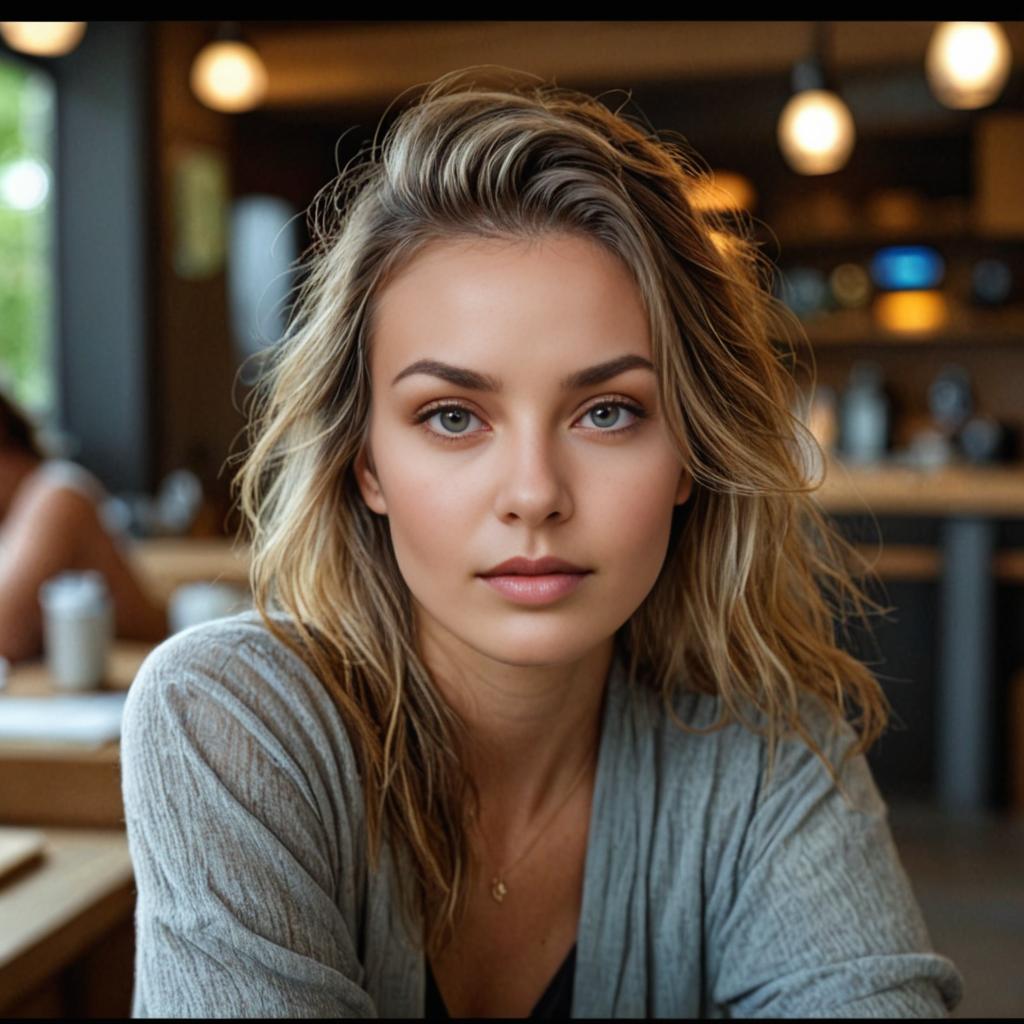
527	469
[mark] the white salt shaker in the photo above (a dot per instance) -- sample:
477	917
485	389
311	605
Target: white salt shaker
78	628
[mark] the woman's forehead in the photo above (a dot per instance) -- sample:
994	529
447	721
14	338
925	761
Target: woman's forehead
470	300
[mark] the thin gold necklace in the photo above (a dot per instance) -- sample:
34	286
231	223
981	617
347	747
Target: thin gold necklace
499	890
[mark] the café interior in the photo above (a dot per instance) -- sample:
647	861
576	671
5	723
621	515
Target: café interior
154	184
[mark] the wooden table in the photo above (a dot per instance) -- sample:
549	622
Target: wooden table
66	942
32	678
66	928
165	563
64	783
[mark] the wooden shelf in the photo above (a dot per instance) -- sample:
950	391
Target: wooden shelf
905	562
974	327
936	232
923	564
959	490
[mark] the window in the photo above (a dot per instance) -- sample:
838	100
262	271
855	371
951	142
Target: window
27	285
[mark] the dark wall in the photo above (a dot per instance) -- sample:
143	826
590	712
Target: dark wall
103	192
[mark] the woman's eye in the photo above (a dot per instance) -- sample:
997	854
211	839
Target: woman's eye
609	414
454	420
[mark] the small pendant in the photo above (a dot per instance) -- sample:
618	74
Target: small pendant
498	890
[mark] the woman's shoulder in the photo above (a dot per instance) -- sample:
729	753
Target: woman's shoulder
212	643
238	652
64	474
55	496
232	682
246	826
699	743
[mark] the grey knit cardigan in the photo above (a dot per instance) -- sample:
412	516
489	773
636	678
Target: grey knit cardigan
708	892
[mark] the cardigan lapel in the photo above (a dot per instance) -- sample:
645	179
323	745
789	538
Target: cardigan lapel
611	959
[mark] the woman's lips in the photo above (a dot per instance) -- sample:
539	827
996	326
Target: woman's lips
536	589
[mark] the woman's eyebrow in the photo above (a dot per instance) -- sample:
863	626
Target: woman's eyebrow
473	381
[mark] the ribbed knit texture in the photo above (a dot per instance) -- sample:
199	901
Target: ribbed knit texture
706	892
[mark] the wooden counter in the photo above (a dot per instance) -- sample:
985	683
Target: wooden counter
967	566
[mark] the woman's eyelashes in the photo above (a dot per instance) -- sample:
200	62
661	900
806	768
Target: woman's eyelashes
607	419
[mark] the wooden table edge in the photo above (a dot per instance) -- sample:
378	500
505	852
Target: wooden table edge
52	952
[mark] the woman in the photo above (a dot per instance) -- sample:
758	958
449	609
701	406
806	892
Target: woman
51	523
419	782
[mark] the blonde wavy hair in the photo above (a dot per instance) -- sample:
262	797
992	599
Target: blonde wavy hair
755	577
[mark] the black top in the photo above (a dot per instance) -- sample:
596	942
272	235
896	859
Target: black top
556	1001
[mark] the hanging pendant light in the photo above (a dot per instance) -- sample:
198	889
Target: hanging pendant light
815	130
42	38
228	74
968	63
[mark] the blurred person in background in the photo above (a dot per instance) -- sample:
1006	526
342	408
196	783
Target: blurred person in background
50	522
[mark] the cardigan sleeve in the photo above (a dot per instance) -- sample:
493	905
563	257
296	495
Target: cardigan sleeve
245	864
819	918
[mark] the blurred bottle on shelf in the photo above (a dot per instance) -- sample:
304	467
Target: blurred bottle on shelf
953	430
984	440
975	436
991	282
950	398
865	415
804	290
929	449
950	404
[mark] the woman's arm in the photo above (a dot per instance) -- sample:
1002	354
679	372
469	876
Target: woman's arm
819	919
246	857
51	528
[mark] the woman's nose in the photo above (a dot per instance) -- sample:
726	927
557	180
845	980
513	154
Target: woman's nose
532	480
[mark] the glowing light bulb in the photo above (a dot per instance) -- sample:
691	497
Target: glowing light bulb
229	76
42	38
816	132
968	63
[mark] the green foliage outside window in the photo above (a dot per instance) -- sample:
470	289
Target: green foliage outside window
27	291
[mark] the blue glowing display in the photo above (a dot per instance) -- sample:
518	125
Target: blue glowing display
905	267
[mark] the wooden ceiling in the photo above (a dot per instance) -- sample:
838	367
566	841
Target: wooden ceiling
367	64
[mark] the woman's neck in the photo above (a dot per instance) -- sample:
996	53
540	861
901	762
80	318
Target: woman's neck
531	729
